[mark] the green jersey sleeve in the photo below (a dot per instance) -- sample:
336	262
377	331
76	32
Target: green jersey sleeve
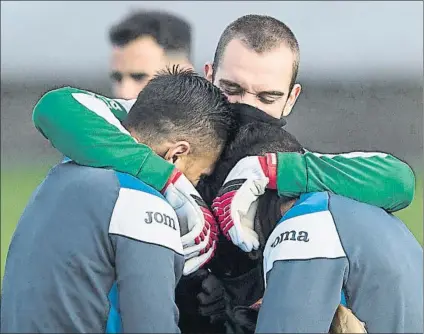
86	128
375	178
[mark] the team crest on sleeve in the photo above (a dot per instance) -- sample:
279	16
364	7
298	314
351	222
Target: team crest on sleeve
145	217
304	237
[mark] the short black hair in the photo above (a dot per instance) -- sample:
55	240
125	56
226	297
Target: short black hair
178	104
171	32
255	138
260	33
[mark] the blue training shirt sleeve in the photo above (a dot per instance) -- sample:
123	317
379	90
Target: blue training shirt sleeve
305	267
148	258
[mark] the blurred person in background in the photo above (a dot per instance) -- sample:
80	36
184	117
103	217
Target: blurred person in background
143	43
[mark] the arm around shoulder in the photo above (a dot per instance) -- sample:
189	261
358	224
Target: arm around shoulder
375	178
86	128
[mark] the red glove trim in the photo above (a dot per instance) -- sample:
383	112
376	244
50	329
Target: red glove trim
272	170
269	166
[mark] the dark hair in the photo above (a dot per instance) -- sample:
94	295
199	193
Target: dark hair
171	32
178	104
255	138
260	33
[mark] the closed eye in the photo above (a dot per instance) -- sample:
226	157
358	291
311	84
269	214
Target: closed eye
138	76
230	88
269	97
116	76
268	100
232	91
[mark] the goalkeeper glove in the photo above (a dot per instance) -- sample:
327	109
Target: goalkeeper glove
236	203
199	230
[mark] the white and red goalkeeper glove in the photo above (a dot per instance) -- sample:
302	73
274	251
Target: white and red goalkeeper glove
199	230
236	203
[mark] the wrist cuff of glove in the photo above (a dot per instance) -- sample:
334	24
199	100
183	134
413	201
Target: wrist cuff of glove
269	166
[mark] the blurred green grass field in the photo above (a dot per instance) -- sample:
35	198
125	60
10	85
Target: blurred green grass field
18	184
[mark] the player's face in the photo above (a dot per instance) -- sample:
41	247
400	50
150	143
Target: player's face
133	65
260	80
193	166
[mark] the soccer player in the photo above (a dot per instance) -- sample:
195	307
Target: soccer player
143	43
256	62
321	249
87	231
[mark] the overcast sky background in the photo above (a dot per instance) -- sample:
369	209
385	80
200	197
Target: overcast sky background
338	40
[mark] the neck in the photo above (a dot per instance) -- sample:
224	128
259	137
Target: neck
270	209
286	206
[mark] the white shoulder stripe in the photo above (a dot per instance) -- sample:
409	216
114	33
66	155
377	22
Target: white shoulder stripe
100	108
351	155
145	217
303	237
127	104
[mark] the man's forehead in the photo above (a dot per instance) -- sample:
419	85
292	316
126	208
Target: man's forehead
260	72
142	53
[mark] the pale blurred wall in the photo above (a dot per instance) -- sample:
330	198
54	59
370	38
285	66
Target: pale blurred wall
361	66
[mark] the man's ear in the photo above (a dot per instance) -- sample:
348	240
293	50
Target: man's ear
294	94
208	69
177	150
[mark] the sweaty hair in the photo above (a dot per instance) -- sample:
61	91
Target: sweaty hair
178	104
260	33
172	33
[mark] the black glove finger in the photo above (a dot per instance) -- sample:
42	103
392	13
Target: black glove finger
193	282
210	309
198	276
187	289
218	318
205	299
212	286
245	317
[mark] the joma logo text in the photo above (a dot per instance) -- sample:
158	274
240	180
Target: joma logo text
290	236
160	218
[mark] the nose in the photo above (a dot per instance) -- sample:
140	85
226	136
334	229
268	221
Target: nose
127	89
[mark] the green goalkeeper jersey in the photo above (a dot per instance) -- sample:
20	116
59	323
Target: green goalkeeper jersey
87	128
